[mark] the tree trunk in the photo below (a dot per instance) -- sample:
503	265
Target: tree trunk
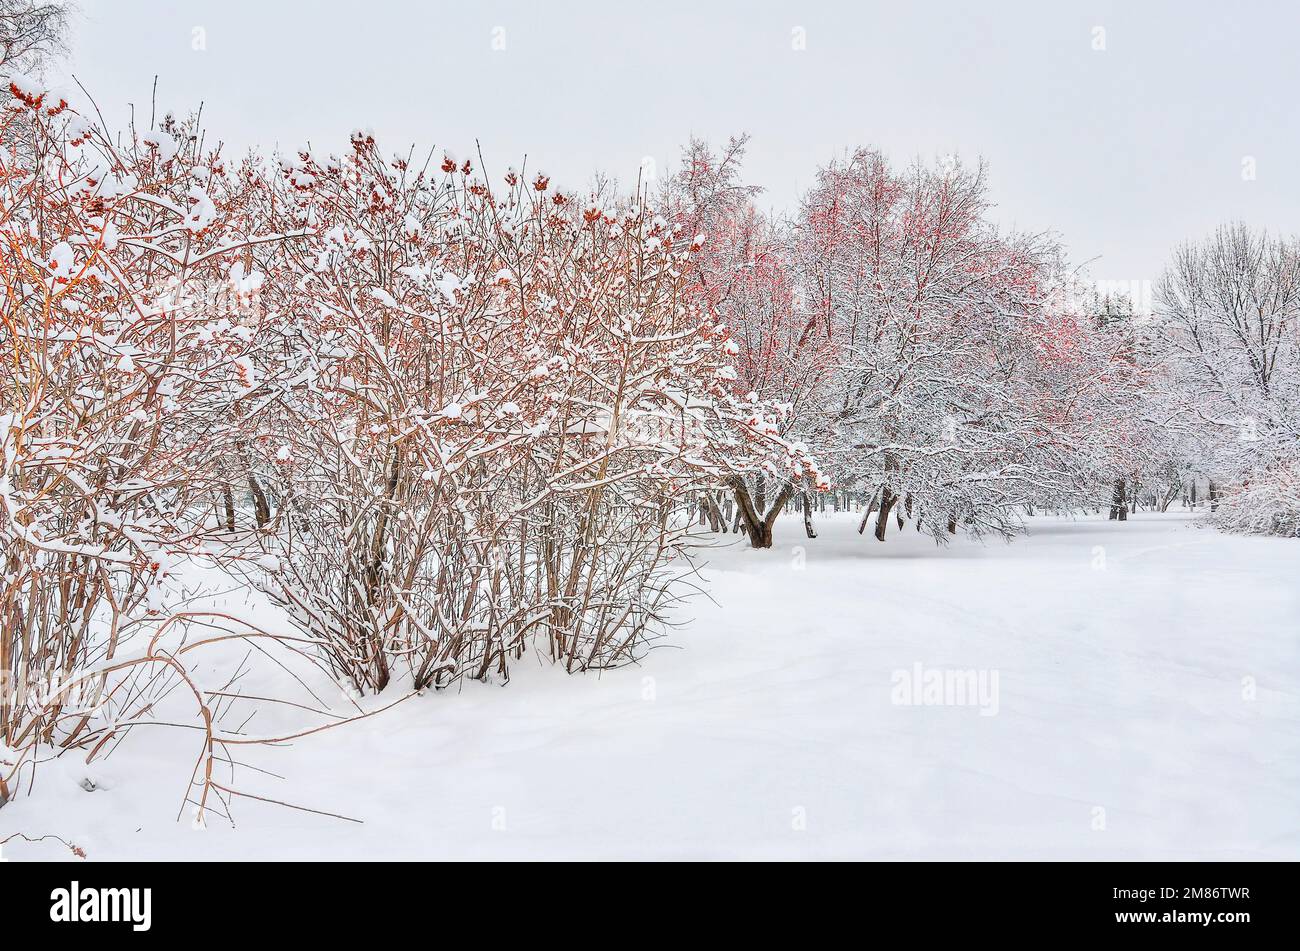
229	498
261	507
1119	502
758	526
807	516
866	514
709	508
887	500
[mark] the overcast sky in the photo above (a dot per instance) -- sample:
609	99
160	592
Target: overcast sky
1123	142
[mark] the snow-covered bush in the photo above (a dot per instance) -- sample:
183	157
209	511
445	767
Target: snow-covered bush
438	423
123	350
512	399
1267	504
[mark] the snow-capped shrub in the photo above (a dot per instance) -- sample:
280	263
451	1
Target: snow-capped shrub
1267	504
512	402
114	407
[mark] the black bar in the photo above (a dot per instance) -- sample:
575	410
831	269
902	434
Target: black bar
365	901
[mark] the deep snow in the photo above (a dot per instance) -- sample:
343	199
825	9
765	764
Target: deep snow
764	727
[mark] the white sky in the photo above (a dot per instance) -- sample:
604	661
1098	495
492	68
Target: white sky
1123	152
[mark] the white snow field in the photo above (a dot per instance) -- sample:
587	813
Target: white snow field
1147	706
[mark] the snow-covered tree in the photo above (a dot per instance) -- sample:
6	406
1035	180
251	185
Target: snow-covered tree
1229	314
746	272
31	31
958	374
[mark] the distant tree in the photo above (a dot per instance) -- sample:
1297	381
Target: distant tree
957	393
747	273
30	33
1229	316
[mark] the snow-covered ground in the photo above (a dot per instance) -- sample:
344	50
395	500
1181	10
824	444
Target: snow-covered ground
1147	705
